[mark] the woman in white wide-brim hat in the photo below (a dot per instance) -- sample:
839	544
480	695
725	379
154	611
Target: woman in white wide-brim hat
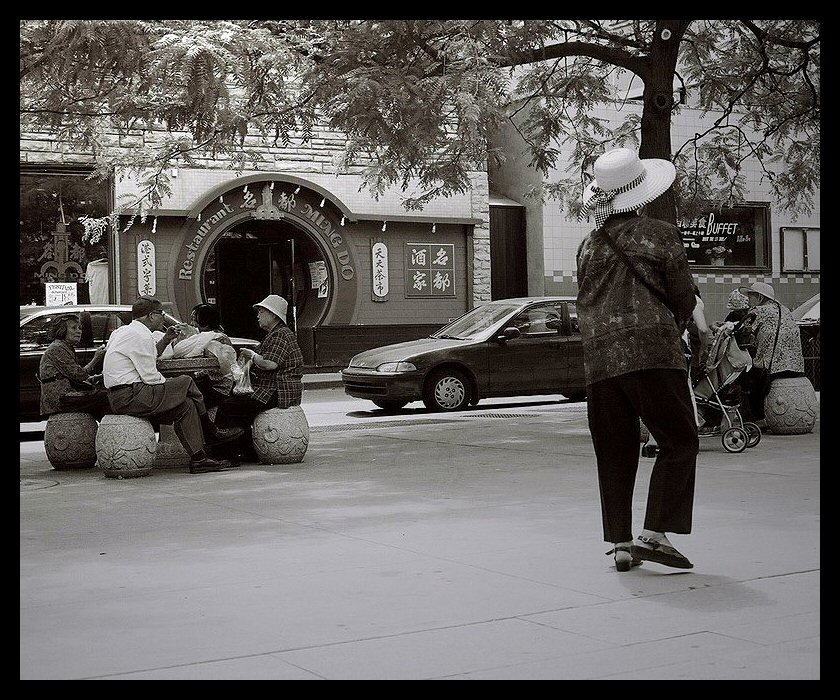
631	327
275	369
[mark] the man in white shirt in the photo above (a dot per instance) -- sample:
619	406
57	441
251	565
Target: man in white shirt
136	387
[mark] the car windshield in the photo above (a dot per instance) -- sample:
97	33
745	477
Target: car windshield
477	322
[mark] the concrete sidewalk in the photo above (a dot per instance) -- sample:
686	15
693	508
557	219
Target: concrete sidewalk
460	546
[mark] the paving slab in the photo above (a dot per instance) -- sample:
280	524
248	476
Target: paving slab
463	547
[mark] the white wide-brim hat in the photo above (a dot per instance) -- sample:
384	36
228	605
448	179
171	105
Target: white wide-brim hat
276	305
632	181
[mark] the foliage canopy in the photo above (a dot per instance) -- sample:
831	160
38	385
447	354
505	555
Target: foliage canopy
422	99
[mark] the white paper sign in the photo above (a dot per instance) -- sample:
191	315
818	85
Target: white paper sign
317	273
146	268
62	293
379	263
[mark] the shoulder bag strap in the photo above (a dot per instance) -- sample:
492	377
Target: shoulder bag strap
621	254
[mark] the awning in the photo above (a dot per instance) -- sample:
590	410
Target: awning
194	188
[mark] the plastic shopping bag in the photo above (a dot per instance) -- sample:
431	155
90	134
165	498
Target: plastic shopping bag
243	381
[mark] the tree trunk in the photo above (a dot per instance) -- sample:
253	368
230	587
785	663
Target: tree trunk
658	104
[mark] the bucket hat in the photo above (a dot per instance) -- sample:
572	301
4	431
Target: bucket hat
276	305
766	290
737	300
624	182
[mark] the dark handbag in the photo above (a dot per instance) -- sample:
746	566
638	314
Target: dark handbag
93	401
81	386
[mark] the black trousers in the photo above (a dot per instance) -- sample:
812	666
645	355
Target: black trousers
662	399
239	410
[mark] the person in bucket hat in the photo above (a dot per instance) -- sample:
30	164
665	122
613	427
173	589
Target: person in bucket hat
631	326
275	371
758	293
778	346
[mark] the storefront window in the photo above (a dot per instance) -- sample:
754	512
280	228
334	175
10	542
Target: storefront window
52	248
729	237
800	249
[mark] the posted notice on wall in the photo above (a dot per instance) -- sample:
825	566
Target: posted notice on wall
62	293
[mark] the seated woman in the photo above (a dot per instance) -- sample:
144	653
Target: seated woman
205	337
216	384
778	345
275	372
66	386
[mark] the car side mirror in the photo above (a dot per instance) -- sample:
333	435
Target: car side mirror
509	333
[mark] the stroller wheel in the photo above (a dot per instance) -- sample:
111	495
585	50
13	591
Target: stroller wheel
734	440
753	434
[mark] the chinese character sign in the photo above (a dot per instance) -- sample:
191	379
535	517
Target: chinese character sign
430	269
146	268
379	267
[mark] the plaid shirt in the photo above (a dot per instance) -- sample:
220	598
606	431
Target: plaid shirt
624	327
280	346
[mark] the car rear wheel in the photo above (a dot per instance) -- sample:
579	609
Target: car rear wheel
447	390
387	405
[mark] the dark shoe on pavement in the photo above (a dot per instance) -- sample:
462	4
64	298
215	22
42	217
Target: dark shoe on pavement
223	435
249	456
208	464
623	559
648	549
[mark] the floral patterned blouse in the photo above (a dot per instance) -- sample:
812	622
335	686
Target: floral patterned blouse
788	351
58	372
624	327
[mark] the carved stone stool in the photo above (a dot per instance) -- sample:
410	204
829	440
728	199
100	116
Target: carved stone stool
790	408
170	452
125	446
281	435
70	440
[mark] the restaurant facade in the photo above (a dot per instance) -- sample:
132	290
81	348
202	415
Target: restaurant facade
358	271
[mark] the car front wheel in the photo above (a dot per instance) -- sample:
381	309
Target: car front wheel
447	390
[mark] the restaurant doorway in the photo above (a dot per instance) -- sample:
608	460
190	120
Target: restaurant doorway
258	258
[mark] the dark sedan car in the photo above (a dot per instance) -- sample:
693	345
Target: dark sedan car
509	347
97	321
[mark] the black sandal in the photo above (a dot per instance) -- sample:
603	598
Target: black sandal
624	565
653	550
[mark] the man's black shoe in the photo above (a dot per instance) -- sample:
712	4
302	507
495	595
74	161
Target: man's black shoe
208	464
223	435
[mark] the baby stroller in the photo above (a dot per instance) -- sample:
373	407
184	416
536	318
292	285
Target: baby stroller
727	361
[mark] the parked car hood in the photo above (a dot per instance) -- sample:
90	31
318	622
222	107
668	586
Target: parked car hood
371	359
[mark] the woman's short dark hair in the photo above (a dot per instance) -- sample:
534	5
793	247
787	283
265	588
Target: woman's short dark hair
58	328
207	316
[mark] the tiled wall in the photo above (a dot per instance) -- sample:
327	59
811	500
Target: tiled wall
563	236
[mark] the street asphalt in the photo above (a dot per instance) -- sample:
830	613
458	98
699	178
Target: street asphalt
450	546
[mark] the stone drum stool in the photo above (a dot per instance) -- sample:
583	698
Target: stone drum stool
70	440
125	446
170	452
791	406
281	435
